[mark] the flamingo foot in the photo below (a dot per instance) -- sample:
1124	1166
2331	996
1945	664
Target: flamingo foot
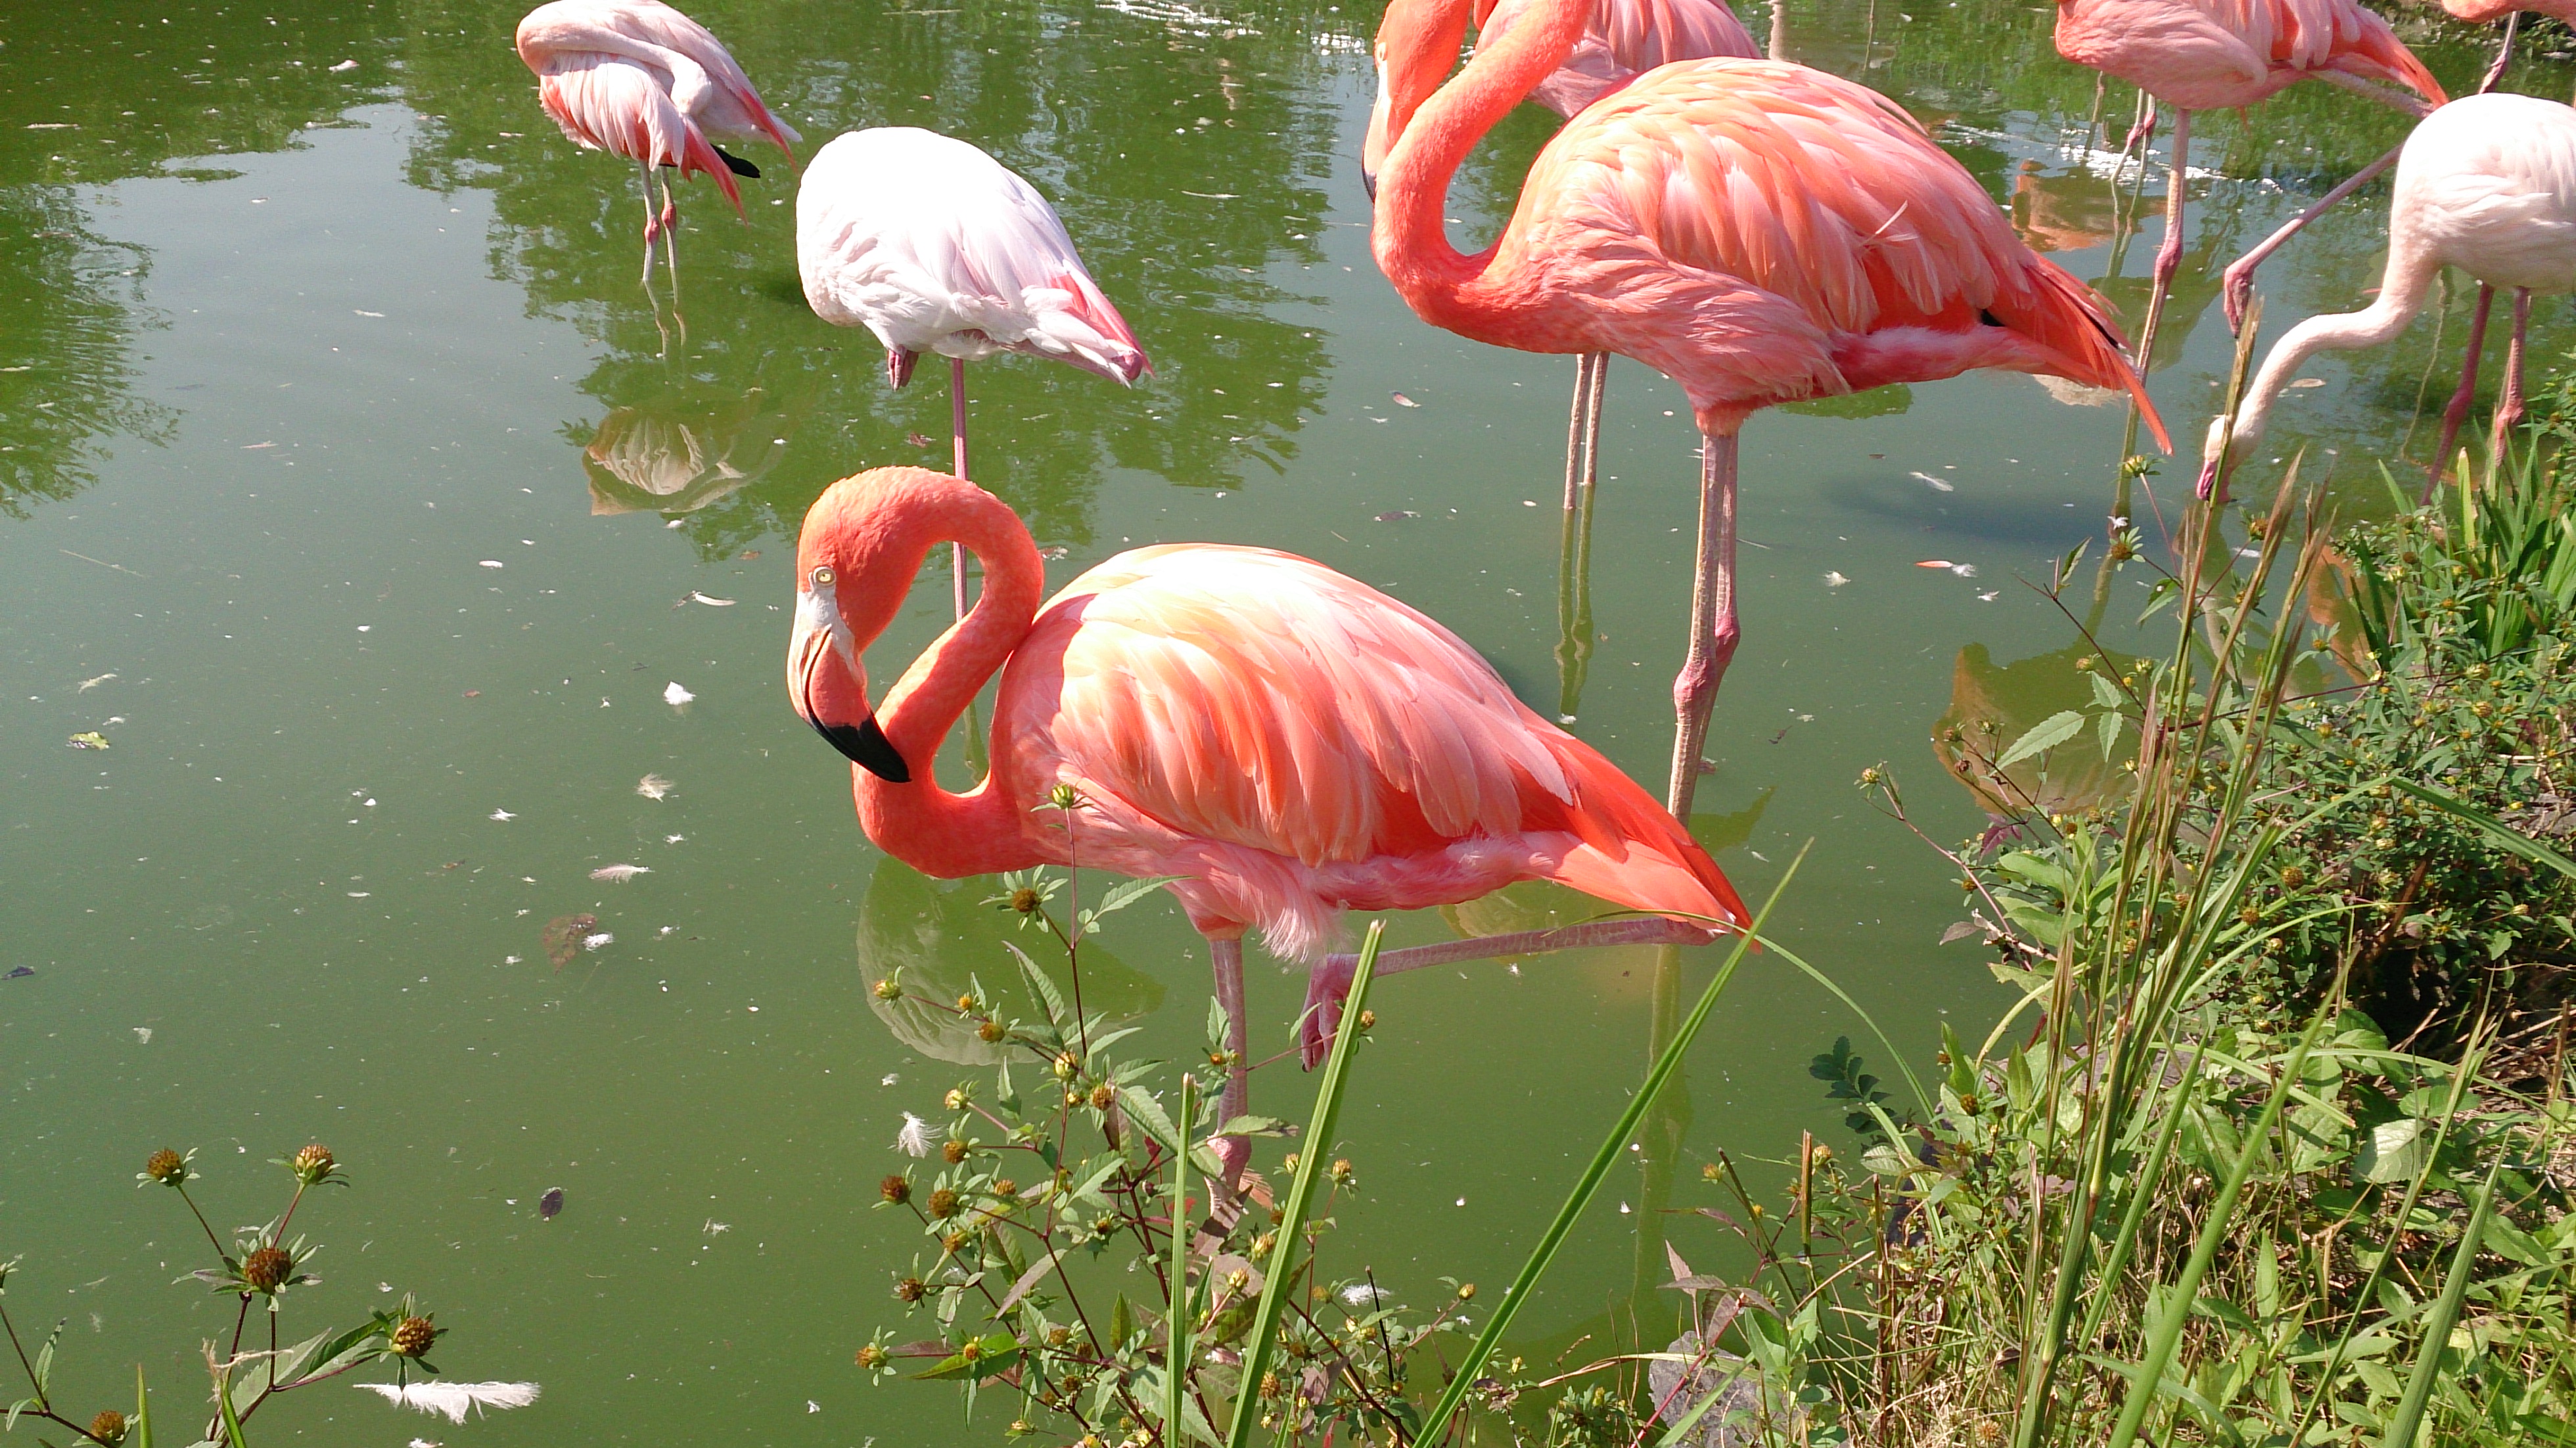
1327	986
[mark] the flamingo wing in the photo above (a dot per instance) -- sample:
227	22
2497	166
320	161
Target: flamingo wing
607	103
1623	39
1258	699
2337	35
1819	210
936	246
718	95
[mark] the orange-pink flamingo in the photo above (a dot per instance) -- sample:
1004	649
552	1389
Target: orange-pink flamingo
638	79
934	246
2199	55
1758	231
2486	184
1622	39
1288	741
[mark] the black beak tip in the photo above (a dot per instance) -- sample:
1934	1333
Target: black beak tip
1368	183
867	747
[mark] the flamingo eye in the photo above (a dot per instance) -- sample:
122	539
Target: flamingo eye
823	576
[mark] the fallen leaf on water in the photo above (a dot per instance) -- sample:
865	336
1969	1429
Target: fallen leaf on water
473	693
916	439
749	554
89	739
550	1203
620	874
563	935
653	786
675	696
17	971
1403	401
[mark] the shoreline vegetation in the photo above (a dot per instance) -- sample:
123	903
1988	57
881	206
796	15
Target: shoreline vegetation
2275	1148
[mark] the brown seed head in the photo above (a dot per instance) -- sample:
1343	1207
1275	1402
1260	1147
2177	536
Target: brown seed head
971	1351
955	1242
267	1269
412	1337
1101	1096
313	1164
966	1003
909	1290
943	1204
955	1100
1466	1292
871	1357
1341	1171
887	990
1059	1336
166	1167
1368	1018
989	1032
896	1189
108	1427
1026	901
952	1152
1005	1187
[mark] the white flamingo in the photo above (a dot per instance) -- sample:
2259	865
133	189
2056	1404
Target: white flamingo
638	79
935	246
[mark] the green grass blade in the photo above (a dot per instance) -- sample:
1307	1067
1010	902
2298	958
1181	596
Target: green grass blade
2498	833
2167	1333
1611	1151
1922	1098
2437	1328
142	1412
1176	1357
1316	1148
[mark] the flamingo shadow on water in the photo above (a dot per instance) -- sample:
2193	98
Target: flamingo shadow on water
1281	742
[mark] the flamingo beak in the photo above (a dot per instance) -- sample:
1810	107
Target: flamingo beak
1375	144
820	635
2208	480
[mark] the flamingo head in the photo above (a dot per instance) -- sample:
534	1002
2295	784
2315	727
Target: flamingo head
1417	43
826	679
2220	452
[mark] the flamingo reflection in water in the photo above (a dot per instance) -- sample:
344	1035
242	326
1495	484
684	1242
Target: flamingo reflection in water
674	459
1288	742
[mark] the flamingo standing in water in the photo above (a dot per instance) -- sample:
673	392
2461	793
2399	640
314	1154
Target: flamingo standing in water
638	79
2486	184
2480	12
1290	742
1758	231
935	246
2199	55
1622	40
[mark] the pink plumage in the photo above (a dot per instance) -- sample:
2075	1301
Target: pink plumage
1623	40
2202	55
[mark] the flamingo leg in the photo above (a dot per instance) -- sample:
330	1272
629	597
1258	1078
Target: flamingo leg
2504	53
670	239
1574	608
652	221
1234	1151
1579	442
957	437
1714	631
2458	412
2239	282
2508	412
1329	984
2169	254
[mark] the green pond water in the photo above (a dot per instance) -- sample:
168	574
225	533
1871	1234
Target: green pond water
309	319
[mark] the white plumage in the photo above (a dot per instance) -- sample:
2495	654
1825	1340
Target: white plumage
454	1398
935	246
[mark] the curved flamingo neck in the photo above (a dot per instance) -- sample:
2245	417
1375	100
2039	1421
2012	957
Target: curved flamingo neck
2401	295
933	830
1411	235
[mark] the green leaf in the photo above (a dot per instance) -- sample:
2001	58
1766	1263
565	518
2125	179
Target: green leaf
1122	1323
1147	1115
2048	733
994	1353
1048	996
1128	892
1257	1126
2105	693
2110	729
2395	1151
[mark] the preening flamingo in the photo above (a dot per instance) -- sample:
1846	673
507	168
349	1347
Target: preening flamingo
2486	184
1291	742
2199	55
638	79
936	247
1758	231
1622	39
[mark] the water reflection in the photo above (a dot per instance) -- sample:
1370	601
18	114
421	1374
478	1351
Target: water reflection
68	364
1992	706
947	942
672	457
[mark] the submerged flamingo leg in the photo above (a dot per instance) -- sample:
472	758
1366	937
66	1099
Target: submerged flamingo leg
2508	413
2169	254
957	436
2239	281
1234	1151
670	238
1714	631
2458	412
1329	984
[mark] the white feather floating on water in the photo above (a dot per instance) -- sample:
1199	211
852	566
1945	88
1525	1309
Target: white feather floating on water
675	696
653	786
1943	484
914	1139
593	942
620	874
454	1398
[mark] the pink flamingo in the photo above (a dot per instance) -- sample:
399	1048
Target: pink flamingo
1758	231
2486	184
1290	742
2480	12
638	79
1622	40
934	246
2199	55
